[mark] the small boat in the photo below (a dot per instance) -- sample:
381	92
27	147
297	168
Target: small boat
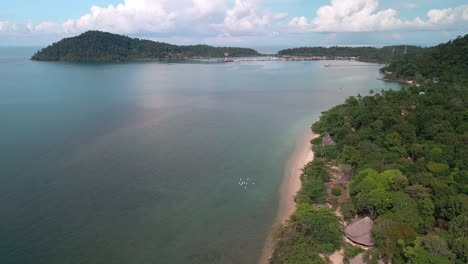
226	55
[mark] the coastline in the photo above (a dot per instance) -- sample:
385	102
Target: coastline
291	184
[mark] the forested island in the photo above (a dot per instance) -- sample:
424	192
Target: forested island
385	54
98	46
396	158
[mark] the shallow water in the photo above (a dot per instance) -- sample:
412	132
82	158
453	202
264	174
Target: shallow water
141	162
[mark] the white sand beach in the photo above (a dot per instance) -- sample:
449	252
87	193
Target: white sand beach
291	184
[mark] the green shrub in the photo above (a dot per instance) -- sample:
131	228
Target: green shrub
347	210
336	191
297	250
321	225
351	251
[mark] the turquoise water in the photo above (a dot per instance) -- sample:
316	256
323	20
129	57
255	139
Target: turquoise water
140	162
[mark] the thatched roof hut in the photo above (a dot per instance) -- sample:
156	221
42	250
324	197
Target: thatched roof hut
360	232
328	140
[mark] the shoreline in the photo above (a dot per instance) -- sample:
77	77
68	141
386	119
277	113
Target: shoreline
290	185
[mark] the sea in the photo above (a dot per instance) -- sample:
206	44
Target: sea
153	162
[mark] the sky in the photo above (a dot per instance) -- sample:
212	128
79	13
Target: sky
253	23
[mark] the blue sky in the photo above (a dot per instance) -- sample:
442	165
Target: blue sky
239	22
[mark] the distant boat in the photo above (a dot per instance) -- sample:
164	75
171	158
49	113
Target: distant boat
327	65
226	55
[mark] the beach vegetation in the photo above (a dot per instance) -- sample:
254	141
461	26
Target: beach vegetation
309	231
297	249
313	178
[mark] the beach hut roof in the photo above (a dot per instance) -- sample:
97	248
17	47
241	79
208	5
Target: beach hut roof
328	140
360	232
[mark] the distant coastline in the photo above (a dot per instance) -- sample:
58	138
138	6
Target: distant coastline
98	46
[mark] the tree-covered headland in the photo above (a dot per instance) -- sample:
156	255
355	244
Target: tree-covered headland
406	156
97	46
385	54
445	63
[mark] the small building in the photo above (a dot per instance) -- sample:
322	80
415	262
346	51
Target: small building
328	140
360	232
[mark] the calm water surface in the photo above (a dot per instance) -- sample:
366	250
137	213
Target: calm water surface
140	162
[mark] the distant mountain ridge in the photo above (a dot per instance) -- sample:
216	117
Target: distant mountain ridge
98	46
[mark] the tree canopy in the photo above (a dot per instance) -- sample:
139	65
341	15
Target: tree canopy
408	151
385	54
97	46
445	62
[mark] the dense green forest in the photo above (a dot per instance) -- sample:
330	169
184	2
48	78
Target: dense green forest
446	62
368	54
100	46
406	155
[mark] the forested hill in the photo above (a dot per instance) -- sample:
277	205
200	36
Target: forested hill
404	155
100	46
369	54
446	62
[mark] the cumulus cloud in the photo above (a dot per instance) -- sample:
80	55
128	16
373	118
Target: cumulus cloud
202	8
448	16
248	16
237	19
364	16
301	23
133	16
357	16
183	18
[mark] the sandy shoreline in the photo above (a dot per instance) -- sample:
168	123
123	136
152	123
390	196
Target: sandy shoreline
290	185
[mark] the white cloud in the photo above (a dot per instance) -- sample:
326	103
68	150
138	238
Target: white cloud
301	23
208	18
249	16
234	20
357	16
364	16
3	25
448	16
132	16
44	26
203	8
